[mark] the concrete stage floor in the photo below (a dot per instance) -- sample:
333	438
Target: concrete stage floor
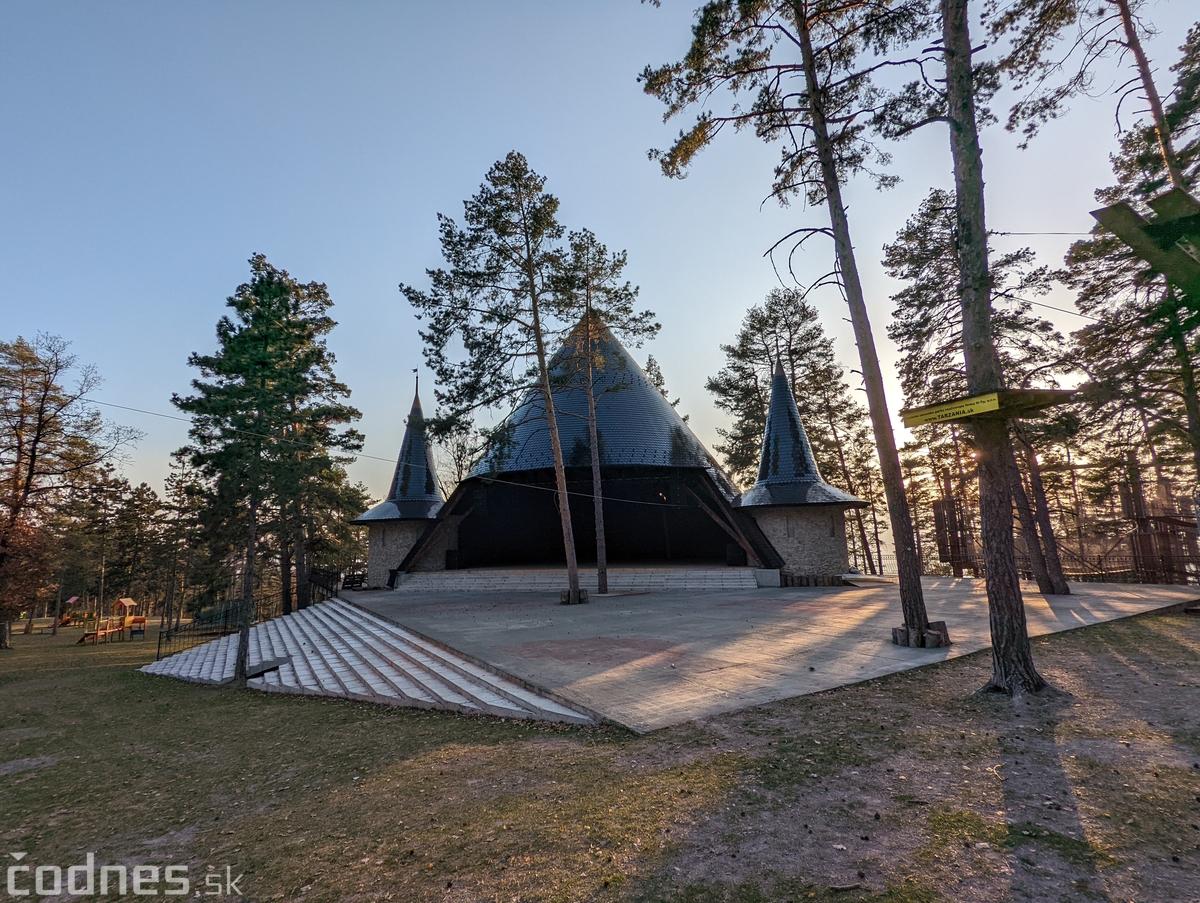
649	660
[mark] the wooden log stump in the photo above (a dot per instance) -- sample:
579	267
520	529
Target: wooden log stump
939	627
935	636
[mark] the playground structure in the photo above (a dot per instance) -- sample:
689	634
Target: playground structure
115	627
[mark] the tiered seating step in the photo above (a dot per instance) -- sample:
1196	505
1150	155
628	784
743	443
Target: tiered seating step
334	649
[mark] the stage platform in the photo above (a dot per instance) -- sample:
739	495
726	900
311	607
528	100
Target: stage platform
652	659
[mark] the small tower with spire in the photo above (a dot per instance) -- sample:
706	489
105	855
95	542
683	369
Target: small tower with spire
803	516
413	501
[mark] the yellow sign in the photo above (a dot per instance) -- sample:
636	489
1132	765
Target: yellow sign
947	411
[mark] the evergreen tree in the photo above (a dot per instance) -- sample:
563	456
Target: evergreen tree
266	412
927	327
496	300
927	317
590	292
1141	353
138	546
786	326
959	99
1013	669
1045	75
805	66
181	526
654	373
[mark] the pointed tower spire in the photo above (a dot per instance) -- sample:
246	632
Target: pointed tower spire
787	470
415	480
414	493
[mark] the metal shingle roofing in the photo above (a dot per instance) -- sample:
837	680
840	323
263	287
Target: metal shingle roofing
415	493
637	426
787	471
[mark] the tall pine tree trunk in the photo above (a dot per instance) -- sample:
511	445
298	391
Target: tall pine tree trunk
912	599
285	578
597	487
863	540
303	568
560	470
169	603
1134	43
845	468
1041	509
911	491
1013	670
1029	529
1071	468
242	664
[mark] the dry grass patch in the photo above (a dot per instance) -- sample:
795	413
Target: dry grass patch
907	789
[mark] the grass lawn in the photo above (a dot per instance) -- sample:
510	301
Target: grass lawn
907	788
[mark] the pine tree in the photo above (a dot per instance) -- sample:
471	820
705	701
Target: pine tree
805	66
1141	353
927	327
496	300
1013	669
1052	49
589	290
960	100
654	373
786	326
266	411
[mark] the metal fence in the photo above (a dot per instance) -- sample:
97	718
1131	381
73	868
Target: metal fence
1177	570
208	624
224	618
324	583
214	622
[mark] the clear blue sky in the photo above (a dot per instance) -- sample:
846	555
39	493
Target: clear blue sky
148	148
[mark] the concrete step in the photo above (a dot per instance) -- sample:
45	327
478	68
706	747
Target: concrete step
335	649
489	690
441	693
435	673
544	580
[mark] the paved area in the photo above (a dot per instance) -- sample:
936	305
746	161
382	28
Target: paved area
660	658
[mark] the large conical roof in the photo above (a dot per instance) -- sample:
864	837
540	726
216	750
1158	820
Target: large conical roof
787	472
415	493
637	426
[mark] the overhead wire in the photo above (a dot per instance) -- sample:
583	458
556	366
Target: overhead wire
304	444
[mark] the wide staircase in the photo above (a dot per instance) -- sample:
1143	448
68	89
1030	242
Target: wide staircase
335	649
552	580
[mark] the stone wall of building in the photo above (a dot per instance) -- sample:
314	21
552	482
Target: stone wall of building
433	558
812	540
387	544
